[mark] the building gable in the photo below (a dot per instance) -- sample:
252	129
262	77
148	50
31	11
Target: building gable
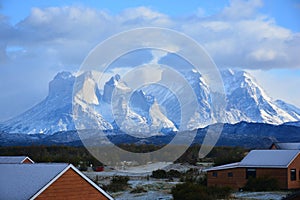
70	185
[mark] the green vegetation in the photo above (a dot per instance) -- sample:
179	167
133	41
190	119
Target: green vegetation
219	155
118	183
193	176
258	184
193	191
225	155
190	155
162	174
77	155
142	148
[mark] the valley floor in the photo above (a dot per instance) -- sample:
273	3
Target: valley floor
160	189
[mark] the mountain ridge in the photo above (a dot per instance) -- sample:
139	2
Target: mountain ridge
246	101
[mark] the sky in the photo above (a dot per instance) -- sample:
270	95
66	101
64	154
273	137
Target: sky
40	38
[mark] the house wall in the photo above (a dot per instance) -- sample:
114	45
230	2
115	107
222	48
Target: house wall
238	180
295	164
71	186
277	173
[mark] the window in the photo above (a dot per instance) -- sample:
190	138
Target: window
230	174
250	172
215	174
293	174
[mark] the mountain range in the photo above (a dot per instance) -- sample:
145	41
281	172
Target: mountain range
152	110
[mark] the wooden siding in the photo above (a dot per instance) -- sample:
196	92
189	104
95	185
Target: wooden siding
27	161
295	164
277	173
238	179
71	186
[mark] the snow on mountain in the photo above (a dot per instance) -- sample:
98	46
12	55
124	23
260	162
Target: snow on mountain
52	114
86	95
247	101
138	115
150	110
203	116
292	110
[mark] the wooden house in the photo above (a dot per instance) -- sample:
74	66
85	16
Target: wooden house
47	181
283	165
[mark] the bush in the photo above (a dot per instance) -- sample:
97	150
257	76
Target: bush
118	183
193	176
265	183
160	173
173	173
192	191
219	192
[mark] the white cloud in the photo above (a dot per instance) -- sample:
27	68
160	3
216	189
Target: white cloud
58	38
239	9
264	55
157	55
239	36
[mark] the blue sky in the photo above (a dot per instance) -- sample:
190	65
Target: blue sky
285	12
39	38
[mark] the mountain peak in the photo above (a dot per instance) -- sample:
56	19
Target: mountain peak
153	106
114	80
63	75
61	85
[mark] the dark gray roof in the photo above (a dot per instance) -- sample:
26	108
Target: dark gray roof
263	159
269	158
12	159
287	145
22	181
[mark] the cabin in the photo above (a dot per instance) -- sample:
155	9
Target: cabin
283	165
15	160
47	181
286	145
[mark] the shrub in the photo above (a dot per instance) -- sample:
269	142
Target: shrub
193	176
160	173
192	191
173	173
118	183
219	192
265	183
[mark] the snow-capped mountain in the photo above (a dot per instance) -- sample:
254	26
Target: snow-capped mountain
142	116
53	114
151	109
247	101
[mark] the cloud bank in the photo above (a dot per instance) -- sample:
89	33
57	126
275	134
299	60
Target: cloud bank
59	38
